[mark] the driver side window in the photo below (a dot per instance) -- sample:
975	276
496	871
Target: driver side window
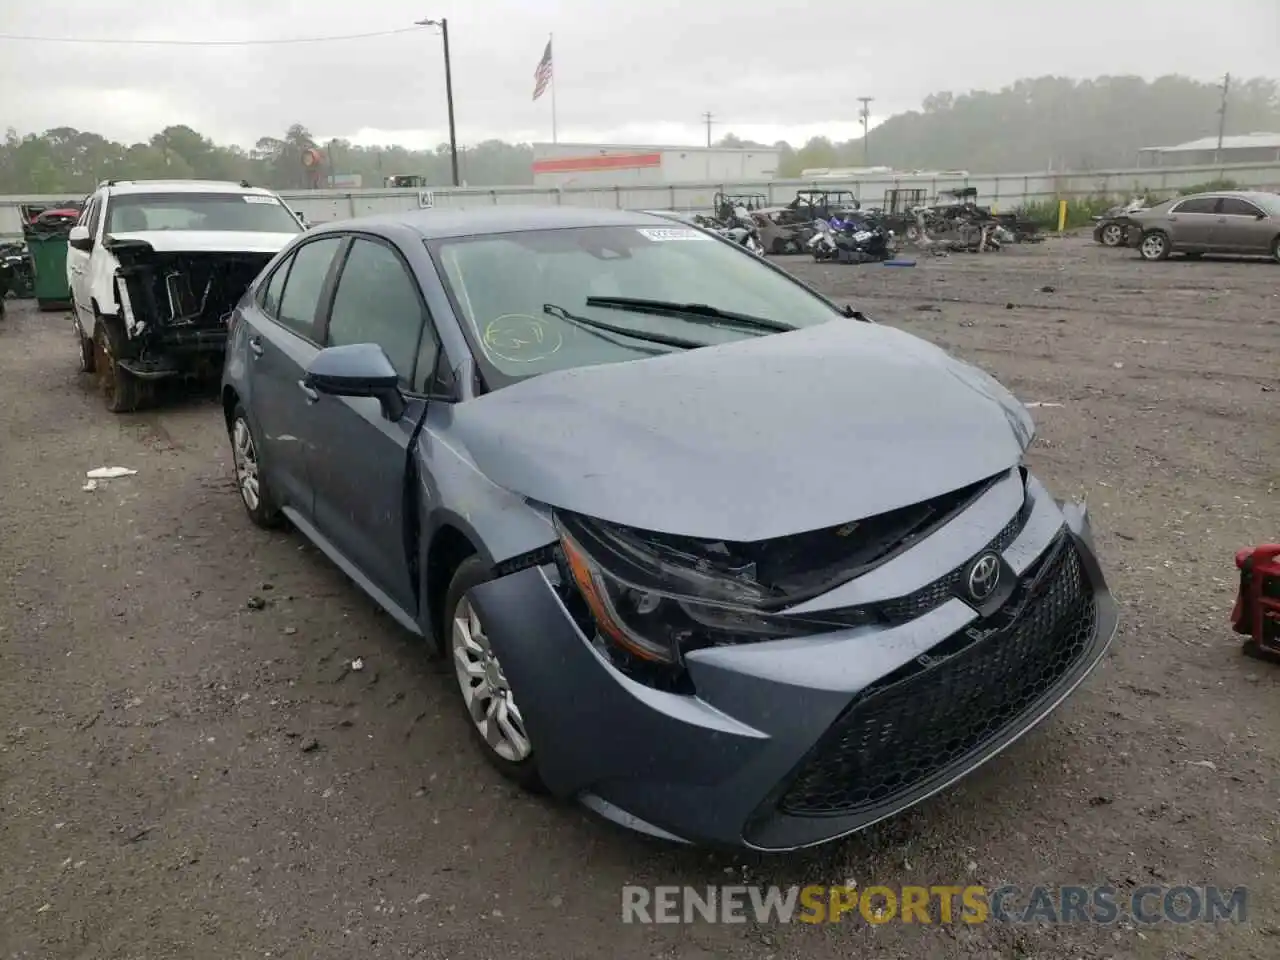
377	301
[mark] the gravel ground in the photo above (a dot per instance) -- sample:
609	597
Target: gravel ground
190	767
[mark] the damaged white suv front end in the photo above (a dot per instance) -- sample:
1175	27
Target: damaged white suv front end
156	267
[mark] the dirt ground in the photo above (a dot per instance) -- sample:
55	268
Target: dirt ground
190	768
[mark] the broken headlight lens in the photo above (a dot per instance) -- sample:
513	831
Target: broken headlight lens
654	601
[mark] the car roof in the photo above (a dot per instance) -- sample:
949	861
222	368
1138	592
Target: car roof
440	222
1257	196
184	186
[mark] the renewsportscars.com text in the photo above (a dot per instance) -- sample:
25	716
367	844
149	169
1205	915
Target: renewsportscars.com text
937	904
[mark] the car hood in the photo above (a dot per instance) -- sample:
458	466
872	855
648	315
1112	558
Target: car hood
205	241
760	438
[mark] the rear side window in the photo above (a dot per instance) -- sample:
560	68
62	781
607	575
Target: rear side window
1197	205
302	288
377	301
1234	206
270	299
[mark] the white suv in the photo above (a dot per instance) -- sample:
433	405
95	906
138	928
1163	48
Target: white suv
156	267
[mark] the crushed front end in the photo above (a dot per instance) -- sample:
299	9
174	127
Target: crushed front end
174	307
820	682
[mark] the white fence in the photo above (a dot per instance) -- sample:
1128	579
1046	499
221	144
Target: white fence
1004	191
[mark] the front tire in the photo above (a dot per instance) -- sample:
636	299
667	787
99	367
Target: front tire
258	500
1155	246
487	699
1112	235
1275	249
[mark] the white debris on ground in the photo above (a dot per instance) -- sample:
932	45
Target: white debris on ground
109	473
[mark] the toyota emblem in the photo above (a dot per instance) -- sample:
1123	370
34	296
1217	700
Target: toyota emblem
984	577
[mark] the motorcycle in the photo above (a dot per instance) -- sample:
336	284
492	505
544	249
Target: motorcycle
851	238
742	229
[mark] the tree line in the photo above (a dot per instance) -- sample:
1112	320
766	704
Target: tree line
1031	125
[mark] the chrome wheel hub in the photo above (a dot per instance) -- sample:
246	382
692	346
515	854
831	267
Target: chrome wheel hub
246	459
485	690
1153	246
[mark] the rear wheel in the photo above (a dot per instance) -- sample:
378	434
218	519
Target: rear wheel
256	496
86	350
121	391
1154	246
1275	249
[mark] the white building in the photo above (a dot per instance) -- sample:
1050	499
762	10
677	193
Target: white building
1243	148
609	165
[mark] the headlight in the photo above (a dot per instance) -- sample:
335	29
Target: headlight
654	601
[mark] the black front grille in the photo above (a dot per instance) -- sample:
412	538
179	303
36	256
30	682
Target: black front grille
932	714
920	602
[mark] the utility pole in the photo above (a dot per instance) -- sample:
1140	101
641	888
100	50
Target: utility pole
707	119
1222	114
443	24
865	115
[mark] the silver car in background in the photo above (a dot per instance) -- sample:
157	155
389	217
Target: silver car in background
1242	222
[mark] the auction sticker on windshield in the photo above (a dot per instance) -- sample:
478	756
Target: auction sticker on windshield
672	233
254	198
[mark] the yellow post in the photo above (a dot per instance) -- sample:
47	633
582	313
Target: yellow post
1062	215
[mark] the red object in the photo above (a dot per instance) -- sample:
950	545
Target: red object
608	161
1257	608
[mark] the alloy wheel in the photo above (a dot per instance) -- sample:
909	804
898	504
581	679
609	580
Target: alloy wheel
485	690
246	461
1111	235
1153	246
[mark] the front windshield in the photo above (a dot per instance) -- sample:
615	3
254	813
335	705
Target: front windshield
501	283
240	212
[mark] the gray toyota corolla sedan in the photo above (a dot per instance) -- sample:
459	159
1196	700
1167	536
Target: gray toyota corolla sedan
723	560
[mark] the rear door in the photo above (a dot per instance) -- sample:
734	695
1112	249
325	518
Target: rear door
1242	227
1191	222
358	460
282	341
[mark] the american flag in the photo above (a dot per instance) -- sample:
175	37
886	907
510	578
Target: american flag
542	75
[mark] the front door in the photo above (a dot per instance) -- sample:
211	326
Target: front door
357	458
78	269
282	341
1242	227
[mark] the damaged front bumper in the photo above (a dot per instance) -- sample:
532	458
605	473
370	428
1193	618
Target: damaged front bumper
175	307
790	743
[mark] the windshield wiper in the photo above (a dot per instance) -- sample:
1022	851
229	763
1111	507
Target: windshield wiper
693	311
683	343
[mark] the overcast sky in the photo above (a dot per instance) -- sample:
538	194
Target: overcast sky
627	71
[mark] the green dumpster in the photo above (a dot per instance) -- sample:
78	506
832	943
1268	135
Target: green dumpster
49	264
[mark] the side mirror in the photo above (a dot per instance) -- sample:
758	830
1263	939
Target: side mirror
1260	216
358	370
79	238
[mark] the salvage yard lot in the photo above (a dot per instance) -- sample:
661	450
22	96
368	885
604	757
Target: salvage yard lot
189	765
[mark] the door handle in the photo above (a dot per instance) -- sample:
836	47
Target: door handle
1222	219
311	395
1173	219
255	344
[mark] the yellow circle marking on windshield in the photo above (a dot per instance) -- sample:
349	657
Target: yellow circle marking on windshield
521	338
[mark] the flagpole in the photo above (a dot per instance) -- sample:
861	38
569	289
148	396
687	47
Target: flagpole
551	43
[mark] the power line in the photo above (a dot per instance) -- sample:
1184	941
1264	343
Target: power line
130	41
